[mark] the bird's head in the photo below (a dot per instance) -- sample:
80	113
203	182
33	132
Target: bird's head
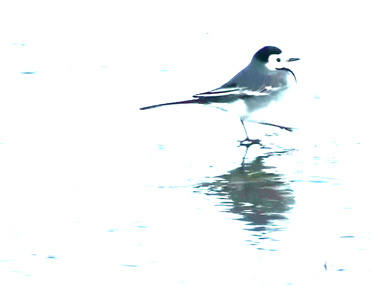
272	58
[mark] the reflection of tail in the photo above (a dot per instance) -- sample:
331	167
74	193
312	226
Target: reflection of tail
198	100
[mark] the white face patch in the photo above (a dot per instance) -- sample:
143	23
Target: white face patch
275	61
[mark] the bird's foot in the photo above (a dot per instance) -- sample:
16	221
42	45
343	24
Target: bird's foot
287	128
248	142
279	126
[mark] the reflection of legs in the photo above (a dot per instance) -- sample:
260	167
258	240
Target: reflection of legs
248	140
278	126
247	146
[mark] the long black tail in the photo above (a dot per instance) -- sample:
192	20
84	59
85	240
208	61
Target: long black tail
198	100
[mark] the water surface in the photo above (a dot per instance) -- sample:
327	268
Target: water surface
95	191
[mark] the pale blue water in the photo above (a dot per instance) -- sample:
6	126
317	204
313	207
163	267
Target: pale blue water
95	191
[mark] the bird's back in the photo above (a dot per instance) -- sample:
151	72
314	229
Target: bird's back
256	77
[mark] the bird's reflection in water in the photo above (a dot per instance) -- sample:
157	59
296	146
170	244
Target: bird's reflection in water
256	192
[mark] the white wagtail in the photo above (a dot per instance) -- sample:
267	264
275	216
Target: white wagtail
261	83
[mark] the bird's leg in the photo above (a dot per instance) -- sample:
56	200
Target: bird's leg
248	141
278	126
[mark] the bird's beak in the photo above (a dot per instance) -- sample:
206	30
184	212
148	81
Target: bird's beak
293	59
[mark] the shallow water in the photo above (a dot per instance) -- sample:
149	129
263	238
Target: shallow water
95	191
97	194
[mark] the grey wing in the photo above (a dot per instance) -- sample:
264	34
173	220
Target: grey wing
228	94
242	85
247	78
248	83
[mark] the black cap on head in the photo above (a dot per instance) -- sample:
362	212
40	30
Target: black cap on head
264	53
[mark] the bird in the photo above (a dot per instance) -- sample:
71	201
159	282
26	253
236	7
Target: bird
263	81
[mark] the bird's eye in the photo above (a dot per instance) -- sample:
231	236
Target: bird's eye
278	59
